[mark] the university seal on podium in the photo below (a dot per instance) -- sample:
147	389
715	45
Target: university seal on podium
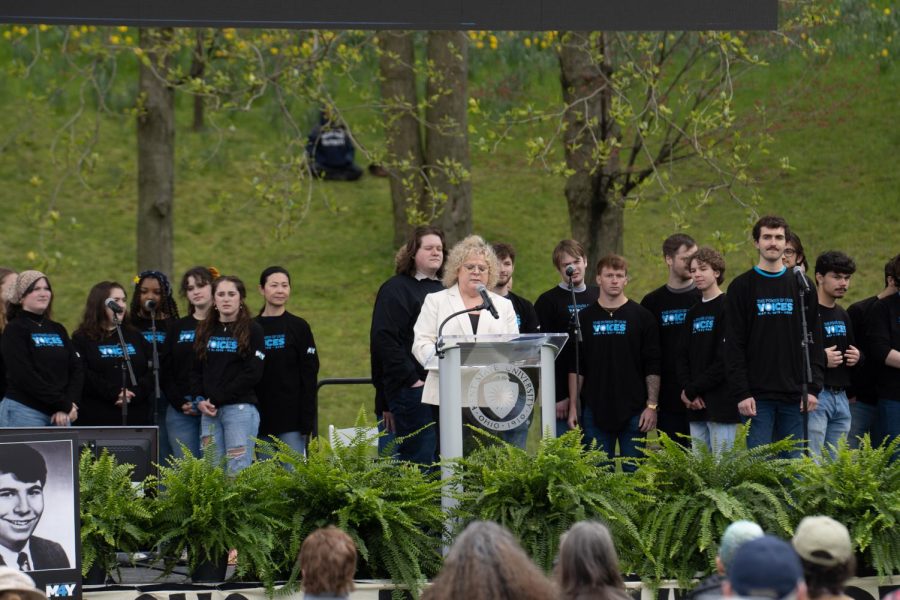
501	397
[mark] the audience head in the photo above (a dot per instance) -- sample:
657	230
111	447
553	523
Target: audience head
735	535
425	251
275	287
7	284
588	566
327	562
766	567
462	255
676	248
827	555
770	222
486	563
570	253
15	585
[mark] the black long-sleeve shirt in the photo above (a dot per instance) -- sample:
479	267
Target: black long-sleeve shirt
670	308
178	361
864	375
226	376
554	312
526	317
618	353
763	356
701	362
884	335
396	310
837	331
103	378
287	390
43	370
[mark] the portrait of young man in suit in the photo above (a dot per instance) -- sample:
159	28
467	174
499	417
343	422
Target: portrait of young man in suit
23	474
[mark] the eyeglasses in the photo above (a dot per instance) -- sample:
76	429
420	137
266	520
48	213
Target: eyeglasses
479	268
789	252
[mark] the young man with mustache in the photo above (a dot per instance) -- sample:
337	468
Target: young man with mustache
831	419
764	363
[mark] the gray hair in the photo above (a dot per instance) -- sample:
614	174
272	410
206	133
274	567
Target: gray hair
735	535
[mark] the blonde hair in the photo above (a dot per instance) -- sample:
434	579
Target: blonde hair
474	245
328	562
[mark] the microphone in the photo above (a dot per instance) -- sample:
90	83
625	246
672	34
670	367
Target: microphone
114	306
150	305
570	270
488	304
801	279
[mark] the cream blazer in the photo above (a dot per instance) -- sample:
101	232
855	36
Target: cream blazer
440	305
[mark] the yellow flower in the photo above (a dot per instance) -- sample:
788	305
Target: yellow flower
136	279
527	42
887	12
114	39
273	50
43	27
123	28
884	52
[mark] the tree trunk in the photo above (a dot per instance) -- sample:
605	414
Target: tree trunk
198	67
447	141
401	126
595	209
156	155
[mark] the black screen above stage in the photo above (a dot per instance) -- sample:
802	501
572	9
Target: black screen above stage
605	15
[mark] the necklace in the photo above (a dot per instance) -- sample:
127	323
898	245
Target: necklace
610	311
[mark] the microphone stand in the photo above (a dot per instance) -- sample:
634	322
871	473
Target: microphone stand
577	325
807	371
127	370
439	344
156	392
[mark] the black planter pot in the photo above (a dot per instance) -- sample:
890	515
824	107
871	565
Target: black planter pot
95	576
210	571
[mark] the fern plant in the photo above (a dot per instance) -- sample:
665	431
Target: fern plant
390	508
203	510
861	489
697	494
539	497
115	515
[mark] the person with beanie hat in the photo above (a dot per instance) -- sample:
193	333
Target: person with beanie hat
766	567
43	370
826	552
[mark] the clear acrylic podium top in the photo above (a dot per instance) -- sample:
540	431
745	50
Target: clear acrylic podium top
519	349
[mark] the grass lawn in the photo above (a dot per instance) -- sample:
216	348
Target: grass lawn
837	125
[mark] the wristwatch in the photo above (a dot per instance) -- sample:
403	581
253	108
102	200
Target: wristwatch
653	406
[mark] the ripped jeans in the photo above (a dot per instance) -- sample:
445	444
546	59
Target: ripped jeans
232	431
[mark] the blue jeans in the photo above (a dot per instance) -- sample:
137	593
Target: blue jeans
889	419
717	437
776	420
829	421
385	439
410	415
232	431
16	414
863	421
182	429
627	437
294	439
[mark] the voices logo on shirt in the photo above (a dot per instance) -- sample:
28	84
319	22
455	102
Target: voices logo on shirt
187	336
160	337
222	344
703	324
835	329
580	308
114	351
774	306
673	317
613	327
275	342
46	340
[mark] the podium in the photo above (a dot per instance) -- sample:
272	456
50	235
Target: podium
494	376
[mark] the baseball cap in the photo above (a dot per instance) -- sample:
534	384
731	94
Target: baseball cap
766	567
13	580
823	541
